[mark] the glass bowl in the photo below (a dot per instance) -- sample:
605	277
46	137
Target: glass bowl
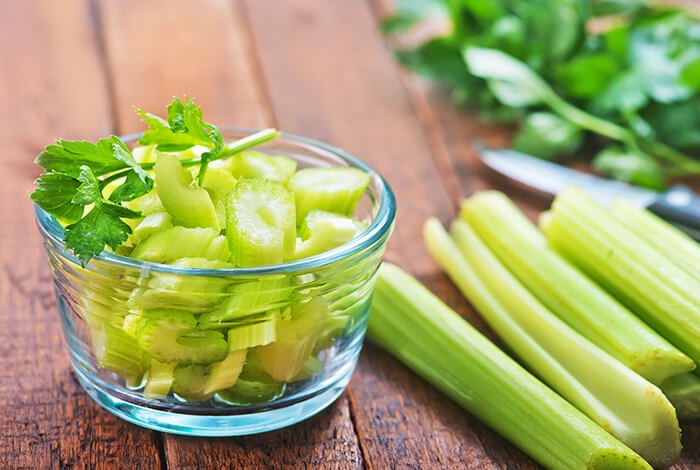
101	304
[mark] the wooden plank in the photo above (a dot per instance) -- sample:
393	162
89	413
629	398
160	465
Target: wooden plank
225	80
53	85
454	132
330	77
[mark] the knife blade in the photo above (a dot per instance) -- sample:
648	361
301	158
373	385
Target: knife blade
679	205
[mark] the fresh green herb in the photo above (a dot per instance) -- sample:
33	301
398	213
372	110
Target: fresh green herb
78	175
633	79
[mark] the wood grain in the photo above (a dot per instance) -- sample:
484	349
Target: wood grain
330	77
46	91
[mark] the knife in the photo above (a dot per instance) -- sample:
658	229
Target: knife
679	205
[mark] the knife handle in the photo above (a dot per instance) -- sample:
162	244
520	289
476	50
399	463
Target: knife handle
681	207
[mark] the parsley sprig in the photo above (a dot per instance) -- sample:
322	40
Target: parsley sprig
72	189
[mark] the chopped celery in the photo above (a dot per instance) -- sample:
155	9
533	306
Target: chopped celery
252	164
118	352
218	182
149	225
564	290
181	242
188	205
189	382
170	336
260	223
629	407
250	392
296	339
254	334
329	189
664	295
224	374
684	392
667	239
146	204
160	379
417	327
311	367
322	231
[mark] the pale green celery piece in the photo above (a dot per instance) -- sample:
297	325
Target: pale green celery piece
311	367
418	328
661	293
252	164
249	391
337	189
322	231
118	352
619	400
189	382
144	153
683	391
181	242
567	292
254	334
189	205
131	322
224	374
195	294
296	339
160	379
218	182
667	239
170	336
149	225
147	204
260	223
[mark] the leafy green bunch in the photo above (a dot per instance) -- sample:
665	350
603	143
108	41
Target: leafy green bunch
619	76
74	185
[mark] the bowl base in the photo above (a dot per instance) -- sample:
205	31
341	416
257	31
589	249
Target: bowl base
186	424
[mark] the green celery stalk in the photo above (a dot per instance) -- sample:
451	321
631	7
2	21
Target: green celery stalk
418	328
619	400
683	391
568	293
667	239
664	295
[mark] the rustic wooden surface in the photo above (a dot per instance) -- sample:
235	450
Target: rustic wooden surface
74	69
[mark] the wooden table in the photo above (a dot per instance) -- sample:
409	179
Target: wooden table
75	68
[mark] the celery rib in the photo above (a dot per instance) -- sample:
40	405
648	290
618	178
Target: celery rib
664	295
567	292
414	325
629	407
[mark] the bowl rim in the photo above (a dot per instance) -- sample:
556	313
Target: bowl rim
379	228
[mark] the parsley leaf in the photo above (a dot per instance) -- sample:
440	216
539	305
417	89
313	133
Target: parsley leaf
67	157
54	193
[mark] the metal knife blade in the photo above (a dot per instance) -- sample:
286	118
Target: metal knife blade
679	205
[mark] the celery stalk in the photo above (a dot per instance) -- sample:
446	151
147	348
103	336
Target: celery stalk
666	238
568	293
418	328
683	391
629	407
664	295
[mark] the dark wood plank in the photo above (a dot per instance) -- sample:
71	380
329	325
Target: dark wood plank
225	80
52	85
330	77
454	132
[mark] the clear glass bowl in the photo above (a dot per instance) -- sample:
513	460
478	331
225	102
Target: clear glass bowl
112	290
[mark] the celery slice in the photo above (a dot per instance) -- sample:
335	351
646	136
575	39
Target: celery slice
189	382
160	379
218	182
418	328
189	206
629	407
151	224
335	189
667	239
251	392
118	352
322	231
182	242
664	295
260	223
255	334
252	164
567	292
224	374
683	391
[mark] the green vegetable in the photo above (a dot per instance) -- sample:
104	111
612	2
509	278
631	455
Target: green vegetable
261	165
629	81
620	401
322	231
414	325
160	379
683	391
79	173
225	374
566	292
663	294
181	242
